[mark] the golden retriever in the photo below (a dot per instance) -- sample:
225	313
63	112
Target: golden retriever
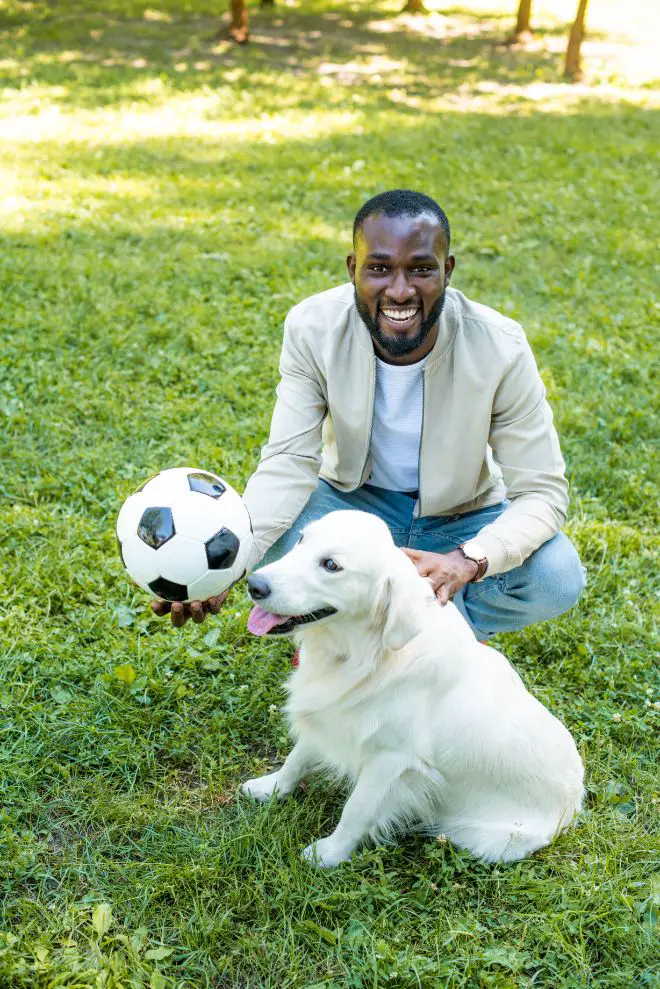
435	731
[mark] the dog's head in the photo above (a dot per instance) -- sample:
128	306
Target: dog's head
345	566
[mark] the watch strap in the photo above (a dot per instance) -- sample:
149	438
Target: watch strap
482	566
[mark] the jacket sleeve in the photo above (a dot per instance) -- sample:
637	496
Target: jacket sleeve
526	448
288	470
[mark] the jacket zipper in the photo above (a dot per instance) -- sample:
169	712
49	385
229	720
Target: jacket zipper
372	395
419	456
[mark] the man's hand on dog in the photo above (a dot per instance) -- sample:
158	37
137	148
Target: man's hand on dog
448	572
197	610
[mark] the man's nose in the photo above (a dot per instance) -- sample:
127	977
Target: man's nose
258	587
400	290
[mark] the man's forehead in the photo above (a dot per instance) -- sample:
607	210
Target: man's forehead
381	233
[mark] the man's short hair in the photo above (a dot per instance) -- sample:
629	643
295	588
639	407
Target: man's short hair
401	202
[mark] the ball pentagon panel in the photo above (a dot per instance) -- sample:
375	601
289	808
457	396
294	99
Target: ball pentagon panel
156	526
206	484
222	549
168	590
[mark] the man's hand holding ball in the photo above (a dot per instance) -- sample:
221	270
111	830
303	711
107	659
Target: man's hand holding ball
181	611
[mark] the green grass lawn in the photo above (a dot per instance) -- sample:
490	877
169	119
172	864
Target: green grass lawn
165	200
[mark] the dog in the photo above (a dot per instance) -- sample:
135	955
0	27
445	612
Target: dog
435	731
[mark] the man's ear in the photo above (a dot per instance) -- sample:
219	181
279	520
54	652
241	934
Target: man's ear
394	608
350	264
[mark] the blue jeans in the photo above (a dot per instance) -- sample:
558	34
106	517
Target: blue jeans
547	584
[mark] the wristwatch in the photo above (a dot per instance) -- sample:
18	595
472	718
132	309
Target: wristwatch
474	551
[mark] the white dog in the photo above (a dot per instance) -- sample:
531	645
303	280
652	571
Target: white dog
435	731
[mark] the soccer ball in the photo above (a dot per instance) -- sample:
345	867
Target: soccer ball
184	535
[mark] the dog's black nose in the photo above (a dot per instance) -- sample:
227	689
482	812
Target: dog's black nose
259	588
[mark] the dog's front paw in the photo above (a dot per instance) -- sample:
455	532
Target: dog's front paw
262	787
325	853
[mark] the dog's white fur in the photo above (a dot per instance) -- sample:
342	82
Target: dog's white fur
435	731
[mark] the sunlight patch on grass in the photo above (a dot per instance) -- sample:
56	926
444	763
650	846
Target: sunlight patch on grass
189	115
70	196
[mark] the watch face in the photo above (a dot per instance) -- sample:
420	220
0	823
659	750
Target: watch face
474	550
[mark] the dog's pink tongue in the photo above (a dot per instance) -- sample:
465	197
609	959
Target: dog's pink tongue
260	622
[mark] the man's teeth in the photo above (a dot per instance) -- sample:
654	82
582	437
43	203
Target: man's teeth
400	314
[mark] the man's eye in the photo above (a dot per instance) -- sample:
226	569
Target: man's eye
378	269
422	270
330	566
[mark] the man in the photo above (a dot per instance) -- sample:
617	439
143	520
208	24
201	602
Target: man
399	396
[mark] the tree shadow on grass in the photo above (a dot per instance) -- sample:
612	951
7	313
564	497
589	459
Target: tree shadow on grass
98	59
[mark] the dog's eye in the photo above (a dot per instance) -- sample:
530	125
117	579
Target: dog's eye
330	566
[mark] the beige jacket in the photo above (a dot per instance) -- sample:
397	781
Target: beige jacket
487	429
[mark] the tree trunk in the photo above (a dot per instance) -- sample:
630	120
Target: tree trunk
238	29
572	68
414	7
523	30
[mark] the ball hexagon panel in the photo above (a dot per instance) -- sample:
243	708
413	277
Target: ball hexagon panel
166	485
222	549
213	582
142	486
241	561
206	484
181	560
140	560
235	516
196	516
156	526
129	517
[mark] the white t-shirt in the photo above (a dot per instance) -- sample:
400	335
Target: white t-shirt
397	426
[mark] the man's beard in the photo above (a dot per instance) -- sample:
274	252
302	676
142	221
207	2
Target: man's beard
399	346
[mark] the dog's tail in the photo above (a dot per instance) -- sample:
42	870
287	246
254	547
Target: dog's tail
506	839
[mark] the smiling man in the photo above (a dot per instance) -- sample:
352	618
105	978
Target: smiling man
401	397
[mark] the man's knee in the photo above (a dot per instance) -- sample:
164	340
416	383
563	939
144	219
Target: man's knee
556	575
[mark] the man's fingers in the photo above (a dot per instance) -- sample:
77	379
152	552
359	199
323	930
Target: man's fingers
442	594
197	610
178	615
424	562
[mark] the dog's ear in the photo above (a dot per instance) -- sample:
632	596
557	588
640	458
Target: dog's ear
396	608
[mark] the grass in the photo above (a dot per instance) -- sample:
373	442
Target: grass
166	199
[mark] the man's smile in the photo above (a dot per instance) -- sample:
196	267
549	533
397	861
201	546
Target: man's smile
399	318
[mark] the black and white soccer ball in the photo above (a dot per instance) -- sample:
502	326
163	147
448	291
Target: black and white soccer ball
184	535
